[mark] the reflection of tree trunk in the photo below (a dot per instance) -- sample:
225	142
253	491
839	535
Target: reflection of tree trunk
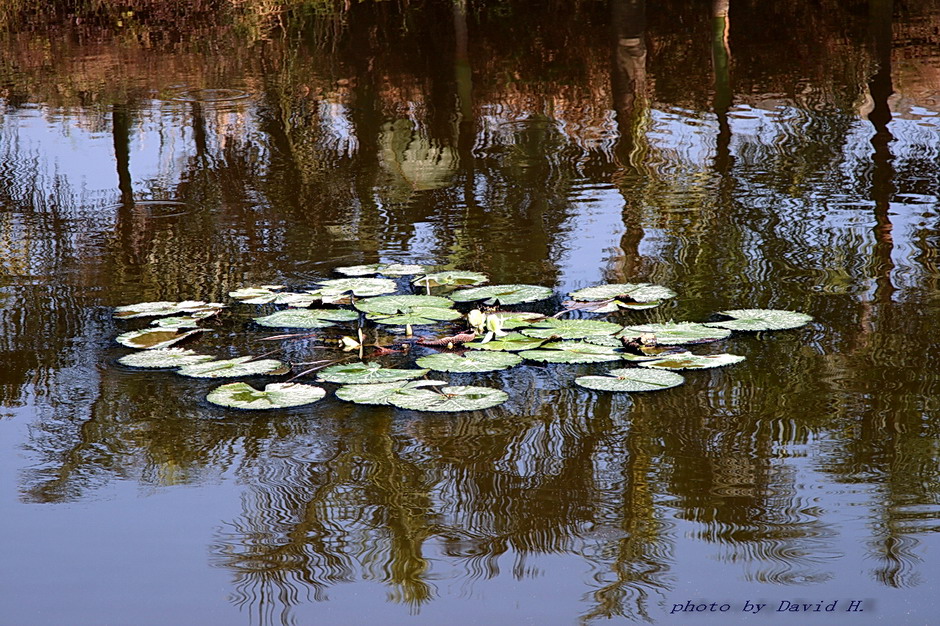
721	66
131	224
880	87
199	130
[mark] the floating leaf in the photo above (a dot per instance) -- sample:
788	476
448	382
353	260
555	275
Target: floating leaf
306	318
626	292
163	357
604	340
452	277
513	342
379	393
570	329
358	286
503	294
512	320
269	294
762	319
689	361
233	368
676	333
469	362
163	308
177	321
389	269
154	338
359	373
572	352
631	379
401	310
274	396
449	399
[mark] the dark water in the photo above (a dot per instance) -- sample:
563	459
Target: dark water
783	156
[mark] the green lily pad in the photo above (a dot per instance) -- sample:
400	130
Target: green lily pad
154	338
762	319
689	361
626	292
604	340
511	320
469	362
401	310
449	399
274	396
359	373
631	379
388	269
163	358
677	333
179	321
269	294
503	294
233	368
512	342
306	318
361	287
380	393
164	308
451	278
572	352
570	329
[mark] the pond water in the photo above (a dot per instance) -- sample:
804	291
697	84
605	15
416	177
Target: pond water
775	156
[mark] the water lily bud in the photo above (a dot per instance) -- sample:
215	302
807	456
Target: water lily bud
476	318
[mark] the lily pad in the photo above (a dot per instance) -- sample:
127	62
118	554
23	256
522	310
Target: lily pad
154	338
269	294
163	358
512	342
631	379
401	310
274	396
361	287
677	333
604	340
306	318
233	368
451	278
626	292
163	308
512	320
570	329
359	373
503	294
572	352
449	399
689	361
762	319
180	321
469	362
379	393
388	269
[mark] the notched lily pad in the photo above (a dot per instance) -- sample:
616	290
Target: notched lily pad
762	319
379	393
401	310
360	287
570	329
503	294
270	294
677	333
274	396
360	373
689	361
631	379
511	320
154	338
512	342
233	368
456	278
625	292
163	358
572	352
469	362
306	318
164	308
449	399
182	321
388	269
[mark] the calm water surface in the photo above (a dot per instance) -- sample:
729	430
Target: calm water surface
778	156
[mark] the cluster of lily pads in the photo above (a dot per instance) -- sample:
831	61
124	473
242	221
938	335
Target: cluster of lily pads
491	336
